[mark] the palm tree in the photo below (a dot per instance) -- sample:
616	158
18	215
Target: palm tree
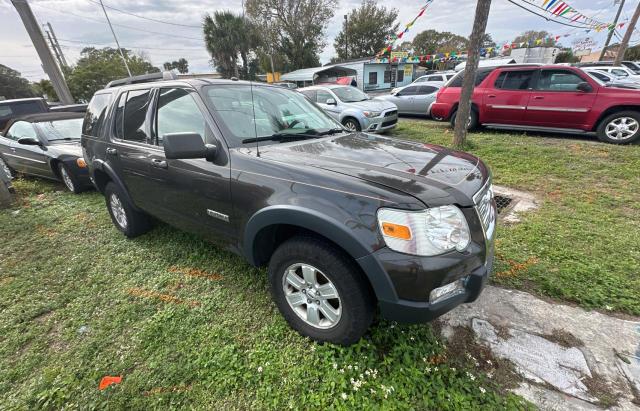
228	36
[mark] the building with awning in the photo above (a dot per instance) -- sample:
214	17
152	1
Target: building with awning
316	75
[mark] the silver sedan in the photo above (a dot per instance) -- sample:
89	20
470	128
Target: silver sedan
414	99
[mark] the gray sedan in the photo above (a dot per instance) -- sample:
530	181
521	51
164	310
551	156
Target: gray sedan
414	99
353	108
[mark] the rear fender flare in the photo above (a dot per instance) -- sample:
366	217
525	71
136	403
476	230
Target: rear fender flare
108	170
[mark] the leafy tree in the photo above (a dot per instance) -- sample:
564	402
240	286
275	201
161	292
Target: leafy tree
12	85
432	41
633	53
365	31
45	88
293	28
530	37
227	37
566	56
182	65
97	67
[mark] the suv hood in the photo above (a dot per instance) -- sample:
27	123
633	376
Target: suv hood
433	174
372	105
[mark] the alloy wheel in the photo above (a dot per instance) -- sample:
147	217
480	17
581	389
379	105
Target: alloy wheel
118	211
622	128
351	125
66	179
312	296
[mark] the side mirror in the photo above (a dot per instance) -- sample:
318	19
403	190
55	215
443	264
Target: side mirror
29	141
584	87
186	145
331	102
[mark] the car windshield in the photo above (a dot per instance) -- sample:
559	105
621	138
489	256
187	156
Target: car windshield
349	94
252	112
69	129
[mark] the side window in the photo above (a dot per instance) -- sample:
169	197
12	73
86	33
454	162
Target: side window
450	76
515	80
21	129
310	94
409	91
323	96
118	116
179	113
400	75
619	72
427	90
96	112
421	79
558	80
434	78
135	115
373	77
600	76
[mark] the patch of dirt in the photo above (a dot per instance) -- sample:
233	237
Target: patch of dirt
564	339
43	317
164	390
515	268
602	391
139	292
463	347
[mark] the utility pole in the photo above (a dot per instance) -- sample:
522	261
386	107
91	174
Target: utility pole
615	24
48	63
627	36
470	69
346	37
57	45
53	47
124	60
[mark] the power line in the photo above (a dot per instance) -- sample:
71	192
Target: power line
145	18
119	25
85	43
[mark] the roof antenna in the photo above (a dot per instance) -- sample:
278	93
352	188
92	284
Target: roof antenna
255	126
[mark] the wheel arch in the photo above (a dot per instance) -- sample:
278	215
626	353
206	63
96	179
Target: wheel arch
103	174
613	110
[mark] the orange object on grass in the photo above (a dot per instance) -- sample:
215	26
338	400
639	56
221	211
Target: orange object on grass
109	380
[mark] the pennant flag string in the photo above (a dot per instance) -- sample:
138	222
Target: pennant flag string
392	39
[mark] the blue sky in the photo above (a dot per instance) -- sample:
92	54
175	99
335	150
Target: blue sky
81	22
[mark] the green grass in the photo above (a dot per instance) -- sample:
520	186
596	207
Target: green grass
188	326
583	244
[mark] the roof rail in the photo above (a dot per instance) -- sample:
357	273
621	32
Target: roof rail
144	78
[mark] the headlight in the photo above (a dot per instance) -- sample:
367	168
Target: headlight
370	114
426	233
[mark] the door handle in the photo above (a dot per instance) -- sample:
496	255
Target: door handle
491	96
112	151
158	163
538	98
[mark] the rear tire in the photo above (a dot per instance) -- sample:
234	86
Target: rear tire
8	170
473	120
620	128
130	222
68	179
305	273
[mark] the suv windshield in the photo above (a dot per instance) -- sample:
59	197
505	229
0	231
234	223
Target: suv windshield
61	129
349	94
276	110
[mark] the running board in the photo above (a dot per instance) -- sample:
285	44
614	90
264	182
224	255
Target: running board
534	128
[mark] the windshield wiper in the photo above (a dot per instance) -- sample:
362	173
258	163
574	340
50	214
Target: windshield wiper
283	136
332	131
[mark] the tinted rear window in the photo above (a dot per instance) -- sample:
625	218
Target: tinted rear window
480	76
515	80
96	112
135	116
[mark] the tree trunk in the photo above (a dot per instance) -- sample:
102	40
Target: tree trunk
627	36
475	43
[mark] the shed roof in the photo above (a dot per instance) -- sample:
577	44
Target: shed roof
309	74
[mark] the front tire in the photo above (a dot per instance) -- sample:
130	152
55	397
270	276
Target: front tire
69	179
620	128
320	291
130	222
473	120
351	124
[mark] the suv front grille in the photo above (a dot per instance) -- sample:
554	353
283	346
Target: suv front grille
485	206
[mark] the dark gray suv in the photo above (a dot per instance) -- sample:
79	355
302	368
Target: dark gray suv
347	222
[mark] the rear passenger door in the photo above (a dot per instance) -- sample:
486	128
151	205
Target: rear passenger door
557	102
423	98
195	193
506	101
130	147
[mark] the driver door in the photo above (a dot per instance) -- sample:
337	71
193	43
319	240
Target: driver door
404	99
25	158
323	97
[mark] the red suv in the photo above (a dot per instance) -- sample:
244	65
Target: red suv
545	98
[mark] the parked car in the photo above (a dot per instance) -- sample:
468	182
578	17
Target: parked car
347	222
631	65
442	76
611	80
19	107
353	108
414	98
286	84
618	71
549	98
46	145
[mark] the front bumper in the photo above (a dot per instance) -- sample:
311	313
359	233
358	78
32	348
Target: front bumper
385	121
441	110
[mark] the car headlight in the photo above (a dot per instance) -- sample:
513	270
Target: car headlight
425	233
370	114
